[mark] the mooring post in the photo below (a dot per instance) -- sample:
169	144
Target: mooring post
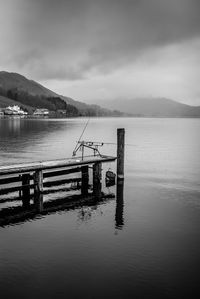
38	189
26	189
85	180
119	213
97	167
120	153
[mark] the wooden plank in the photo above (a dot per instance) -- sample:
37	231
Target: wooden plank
10	180
10	190
7	190
61	172
29	167
61	182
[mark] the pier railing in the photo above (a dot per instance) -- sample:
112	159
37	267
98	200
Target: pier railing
29	176
34	176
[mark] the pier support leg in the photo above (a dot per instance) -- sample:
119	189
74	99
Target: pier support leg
38	189
97	179
85	180
26	189
120	153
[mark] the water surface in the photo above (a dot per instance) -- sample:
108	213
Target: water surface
146	246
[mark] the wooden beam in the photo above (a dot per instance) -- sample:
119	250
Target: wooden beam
97	179
85	180
38	189
26	189
120	153
31	167
10	180
61	172
61	182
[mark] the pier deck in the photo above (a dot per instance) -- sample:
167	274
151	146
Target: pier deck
44	165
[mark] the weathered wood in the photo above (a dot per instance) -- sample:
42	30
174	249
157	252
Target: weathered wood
120	153
10	180
13	189
97	179
61	172
38	189
30	167
61	182
26	189
85	180
119	213
38	181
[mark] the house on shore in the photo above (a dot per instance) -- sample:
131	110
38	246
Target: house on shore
14	110
41	112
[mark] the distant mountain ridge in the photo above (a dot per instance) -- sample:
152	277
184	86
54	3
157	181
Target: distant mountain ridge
153	107
16	89
29	94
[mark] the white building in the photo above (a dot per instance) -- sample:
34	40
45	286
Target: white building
41	112
14	110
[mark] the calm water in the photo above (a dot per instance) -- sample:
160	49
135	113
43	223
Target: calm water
147	246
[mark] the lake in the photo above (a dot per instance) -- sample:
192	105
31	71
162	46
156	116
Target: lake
146	246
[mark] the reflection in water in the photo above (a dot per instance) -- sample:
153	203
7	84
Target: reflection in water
119	214
157	256
19	214
14	124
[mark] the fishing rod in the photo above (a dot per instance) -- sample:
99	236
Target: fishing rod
93	145
78	142
102	143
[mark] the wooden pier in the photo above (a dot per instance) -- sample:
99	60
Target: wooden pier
29	179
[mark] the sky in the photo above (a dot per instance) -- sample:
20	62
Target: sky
105	49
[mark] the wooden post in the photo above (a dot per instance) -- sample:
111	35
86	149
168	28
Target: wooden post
120	153
26	189
119	213
97	179
85	180
38	189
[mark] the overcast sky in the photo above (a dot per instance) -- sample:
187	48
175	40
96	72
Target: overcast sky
105	49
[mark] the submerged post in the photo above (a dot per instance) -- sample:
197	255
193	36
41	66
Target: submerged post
119	213
38	189
120	153
26	189
85	180
97	179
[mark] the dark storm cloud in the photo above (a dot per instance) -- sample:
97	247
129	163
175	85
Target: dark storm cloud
104	48
76	36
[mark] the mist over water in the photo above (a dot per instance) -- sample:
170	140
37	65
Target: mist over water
145	244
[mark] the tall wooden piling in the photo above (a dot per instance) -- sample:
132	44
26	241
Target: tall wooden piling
120	153
97	179
119	213
38	189
85	180
26	189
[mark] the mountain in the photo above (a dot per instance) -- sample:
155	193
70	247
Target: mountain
153	107
17	89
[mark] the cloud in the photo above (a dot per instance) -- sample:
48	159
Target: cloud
77	40
171	71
